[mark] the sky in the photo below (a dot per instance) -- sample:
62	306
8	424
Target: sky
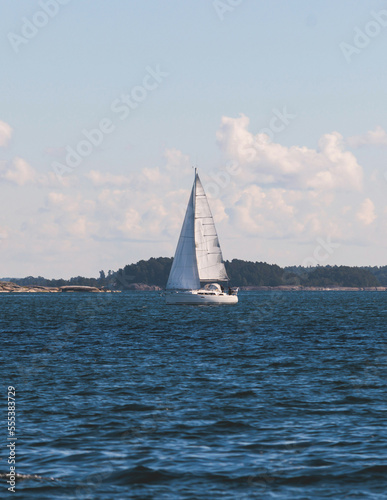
106	106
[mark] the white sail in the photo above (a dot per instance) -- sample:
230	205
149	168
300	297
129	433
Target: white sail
198	255
208	252
184	272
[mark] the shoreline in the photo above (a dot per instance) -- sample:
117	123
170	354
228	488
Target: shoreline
9	287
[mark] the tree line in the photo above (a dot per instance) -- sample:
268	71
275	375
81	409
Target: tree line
155	271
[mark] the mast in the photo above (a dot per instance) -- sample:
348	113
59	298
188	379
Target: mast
194	193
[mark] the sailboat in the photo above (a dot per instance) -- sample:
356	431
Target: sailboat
198	264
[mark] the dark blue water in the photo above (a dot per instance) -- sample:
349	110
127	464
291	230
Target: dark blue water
120	396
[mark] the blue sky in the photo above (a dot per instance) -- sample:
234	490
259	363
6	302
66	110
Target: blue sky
229	68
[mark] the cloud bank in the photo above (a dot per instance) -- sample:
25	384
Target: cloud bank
376	137
273	204
330	167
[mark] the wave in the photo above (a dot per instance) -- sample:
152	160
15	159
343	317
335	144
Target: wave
141	475
133	407
230	424
242	394
21	477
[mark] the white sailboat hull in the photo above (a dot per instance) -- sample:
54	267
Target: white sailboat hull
198	297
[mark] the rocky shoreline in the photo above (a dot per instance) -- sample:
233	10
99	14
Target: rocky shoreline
143	287
9	287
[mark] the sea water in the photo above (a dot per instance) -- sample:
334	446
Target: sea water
119	396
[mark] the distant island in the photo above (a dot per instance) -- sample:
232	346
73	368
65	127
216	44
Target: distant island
152	274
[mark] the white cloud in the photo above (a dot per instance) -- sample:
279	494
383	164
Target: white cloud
377	137
297	167
105	179
20	173
51	180
82	227
131	225
139	180
56	198
176	160
141	206
5	133
291	194
366	214
72	204
274	213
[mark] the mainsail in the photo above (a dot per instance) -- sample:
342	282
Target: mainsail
198	255
208	253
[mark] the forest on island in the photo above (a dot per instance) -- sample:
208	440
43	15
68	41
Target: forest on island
245	273
155	271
